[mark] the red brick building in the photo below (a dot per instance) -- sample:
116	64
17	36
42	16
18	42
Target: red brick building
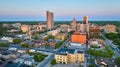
79	37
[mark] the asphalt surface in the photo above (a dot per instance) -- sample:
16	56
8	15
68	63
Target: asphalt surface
50	57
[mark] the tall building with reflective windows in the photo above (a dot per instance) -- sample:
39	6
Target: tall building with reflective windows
50	23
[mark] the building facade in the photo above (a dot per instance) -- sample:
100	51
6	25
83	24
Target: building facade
94	30
66	56
25	28
85	20
50	23
109	28
61	36
53	32
74	24
79	37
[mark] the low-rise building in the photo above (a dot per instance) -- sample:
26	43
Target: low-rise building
61	36
40	27
109	28
6	25
25	28
118	29
22	50
13	31
16	25
94	30
66	56
64	27
79	37
97	42
9	39
53	32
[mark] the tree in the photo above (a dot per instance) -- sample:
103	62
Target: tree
39	57
4	44
118	59
65	46
17	40
59	44
116	41
91	65
3	30
107	52
25	45
47	45
46	39
111	35
36	36
51	37
53	62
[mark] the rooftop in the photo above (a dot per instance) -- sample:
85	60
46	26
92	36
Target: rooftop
79	51
64	51
80	33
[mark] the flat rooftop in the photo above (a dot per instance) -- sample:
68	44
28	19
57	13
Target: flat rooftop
64	51
80	51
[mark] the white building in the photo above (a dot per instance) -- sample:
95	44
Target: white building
12	49
9	39
53	32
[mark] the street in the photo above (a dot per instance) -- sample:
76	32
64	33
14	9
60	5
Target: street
46	62
113	47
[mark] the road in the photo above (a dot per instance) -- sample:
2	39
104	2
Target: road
114	47
46	62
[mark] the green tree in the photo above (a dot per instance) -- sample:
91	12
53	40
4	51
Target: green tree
46	39
116	41
51	37
17	40
25	45
39	57
111	35
107	52
65	46
118	59
91	65
3	30
47	45
4	44
53	62
36	36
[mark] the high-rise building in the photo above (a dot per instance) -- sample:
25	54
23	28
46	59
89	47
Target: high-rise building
74	26
50	23
85	19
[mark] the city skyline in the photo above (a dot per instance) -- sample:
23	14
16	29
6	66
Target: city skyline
25	10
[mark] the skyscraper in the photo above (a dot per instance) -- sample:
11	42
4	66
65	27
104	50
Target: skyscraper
85	22
85	19
74	26
50	23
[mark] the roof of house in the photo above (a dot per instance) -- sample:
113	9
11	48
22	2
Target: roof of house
64	51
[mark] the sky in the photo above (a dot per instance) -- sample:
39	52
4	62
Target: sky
64	10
